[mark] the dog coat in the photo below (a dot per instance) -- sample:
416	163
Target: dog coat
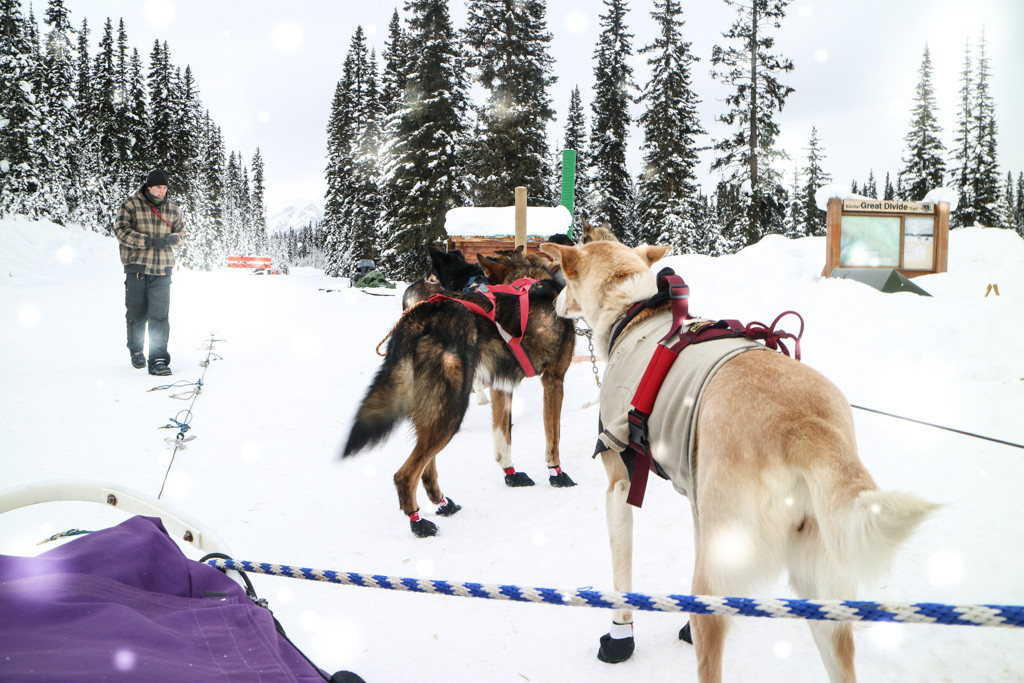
672	426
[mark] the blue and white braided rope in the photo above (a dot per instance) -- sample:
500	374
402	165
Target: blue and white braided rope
779	608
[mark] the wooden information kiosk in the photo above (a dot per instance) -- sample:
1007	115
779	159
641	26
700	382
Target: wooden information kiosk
911	238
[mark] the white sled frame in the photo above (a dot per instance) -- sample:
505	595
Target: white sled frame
178	524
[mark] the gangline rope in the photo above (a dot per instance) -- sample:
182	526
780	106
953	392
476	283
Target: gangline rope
779	608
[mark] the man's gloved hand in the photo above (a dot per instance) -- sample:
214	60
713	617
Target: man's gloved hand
156	242
173	240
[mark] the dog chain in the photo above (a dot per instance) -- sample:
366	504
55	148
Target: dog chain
589	334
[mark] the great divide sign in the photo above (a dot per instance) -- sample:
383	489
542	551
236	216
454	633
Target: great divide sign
909	237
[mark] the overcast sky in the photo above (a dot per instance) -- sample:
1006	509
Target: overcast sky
267	70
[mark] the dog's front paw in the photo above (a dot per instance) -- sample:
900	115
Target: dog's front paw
516	479
561	480
684	634
615	650
423	528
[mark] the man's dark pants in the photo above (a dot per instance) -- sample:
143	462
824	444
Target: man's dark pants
147	299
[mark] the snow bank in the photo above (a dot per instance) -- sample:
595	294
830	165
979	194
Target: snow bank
471	221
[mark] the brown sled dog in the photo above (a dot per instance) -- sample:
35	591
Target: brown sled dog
774	480
436	351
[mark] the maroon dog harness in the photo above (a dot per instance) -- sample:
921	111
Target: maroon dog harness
637	456
520	288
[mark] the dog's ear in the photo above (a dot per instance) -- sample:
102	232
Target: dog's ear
494	269
650	253
566	257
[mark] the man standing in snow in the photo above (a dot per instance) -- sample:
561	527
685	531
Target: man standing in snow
148	225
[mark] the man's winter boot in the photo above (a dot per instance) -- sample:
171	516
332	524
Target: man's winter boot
138	360
159	368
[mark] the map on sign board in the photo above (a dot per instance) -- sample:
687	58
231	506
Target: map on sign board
870	241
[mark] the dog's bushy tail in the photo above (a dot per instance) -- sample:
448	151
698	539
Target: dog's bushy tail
382	408
875	525
862	526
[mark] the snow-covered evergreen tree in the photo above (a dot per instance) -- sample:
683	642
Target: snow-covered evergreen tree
1018	207
960	163
396	57
870	187
575	138
923	165
257	208
984	160
1006	207
667	187
814	177
61	131
508	49
163	111
185	147
745	158
339	144
795	212
888	191
20	176
425	177
360	198
611	187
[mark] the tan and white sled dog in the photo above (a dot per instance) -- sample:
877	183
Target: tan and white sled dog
776	481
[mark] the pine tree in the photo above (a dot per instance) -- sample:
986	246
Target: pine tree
923	165
870	188
508	48
575	138
162	109
257	209
360	198
796	219
888	192
104	93
746	157
1018	207
20	177
1008	203
984	166
137	119
960	163
61	132
668	184
425	178
339	143
396	57
611	197
814	177
185	146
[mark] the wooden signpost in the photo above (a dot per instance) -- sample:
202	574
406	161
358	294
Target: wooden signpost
911	238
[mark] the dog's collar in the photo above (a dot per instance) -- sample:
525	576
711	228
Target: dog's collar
660	298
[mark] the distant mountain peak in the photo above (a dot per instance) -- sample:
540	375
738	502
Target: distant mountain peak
297	214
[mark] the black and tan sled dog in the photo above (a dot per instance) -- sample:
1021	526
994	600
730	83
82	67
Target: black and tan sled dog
441	345
773	478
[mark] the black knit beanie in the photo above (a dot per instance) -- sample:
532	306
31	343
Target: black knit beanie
157	177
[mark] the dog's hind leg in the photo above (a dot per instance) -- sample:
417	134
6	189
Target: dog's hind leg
708	631
501	431
617	645
441	398
815	575
554	392
446	507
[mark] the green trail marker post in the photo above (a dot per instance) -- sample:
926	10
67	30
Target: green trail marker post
569	182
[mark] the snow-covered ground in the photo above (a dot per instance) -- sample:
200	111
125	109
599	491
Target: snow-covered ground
264	469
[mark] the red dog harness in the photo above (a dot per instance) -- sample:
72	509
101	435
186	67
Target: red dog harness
520	288
668	349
